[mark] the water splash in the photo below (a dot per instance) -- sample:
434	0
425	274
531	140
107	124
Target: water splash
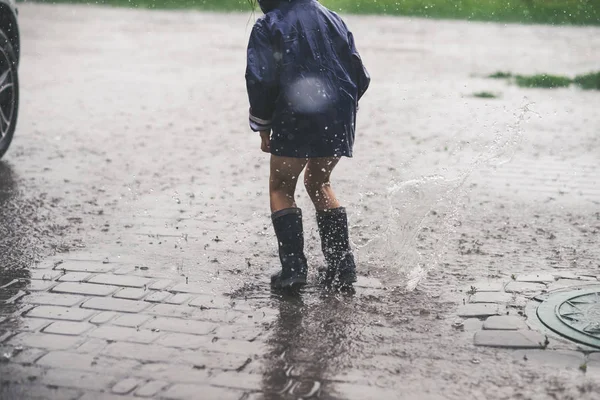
423	212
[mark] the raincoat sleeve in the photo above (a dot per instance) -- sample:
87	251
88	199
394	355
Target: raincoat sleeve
261	79
363	79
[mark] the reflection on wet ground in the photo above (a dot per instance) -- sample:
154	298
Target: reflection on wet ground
320	338
307	343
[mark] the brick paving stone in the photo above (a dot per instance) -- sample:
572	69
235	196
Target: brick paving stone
478	310
62	313
33	324
85	266
142	352
46	264
237	332
491	297
45	275
125	270
194	288
44	341
103	317
555	358
174	373
126	385
186	391
186	361
88	362
211	302
222	316
122	334
62	359
169	310
157	297
150	389
243	305
237	347
472	324
86	289
541	277
523	287
39	286
572	276
486	286
161	284
181	325
121	280
68	328
78	379
237	380
184	340
53	299
75	277
505	323
131	320
93	346
569	283
179	299
110	304
131	294
510	339
222	361
105	396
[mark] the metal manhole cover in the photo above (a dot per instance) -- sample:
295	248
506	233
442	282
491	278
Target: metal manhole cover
574	314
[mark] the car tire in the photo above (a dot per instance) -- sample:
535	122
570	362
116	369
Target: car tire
9	93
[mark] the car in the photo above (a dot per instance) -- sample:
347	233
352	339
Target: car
10	47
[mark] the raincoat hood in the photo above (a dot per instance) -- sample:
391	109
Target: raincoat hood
269	5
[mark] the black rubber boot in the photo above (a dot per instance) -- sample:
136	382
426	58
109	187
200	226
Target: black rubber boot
290	236
333	228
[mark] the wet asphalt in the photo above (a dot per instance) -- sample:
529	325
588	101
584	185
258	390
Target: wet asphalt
132	149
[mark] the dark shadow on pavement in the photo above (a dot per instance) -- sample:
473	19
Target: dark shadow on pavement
13	245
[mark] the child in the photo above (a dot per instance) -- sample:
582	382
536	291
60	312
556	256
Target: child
304	78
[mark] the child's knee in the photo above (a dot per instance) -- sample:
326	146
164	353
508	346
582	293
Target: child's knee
314	187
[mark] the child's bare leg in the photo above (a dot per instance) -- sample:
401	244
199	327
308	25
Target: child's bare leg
332	222
282	183
317	182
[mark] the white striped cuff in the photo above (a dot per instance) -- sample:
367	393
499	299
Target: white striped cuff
258	124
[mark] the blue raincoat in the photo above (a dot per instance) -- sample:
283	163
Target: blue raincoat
304	78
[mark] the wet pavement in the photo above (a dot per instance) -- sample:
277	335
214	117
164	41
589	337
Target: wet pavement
136	243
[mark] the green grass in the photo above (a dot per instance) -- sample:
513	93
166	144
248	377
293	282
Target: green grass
500	75
578	12
589	81
485	95
543	81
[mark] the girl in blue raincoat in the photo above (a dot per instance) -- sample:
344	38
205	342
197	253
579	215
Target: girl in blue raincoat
304	78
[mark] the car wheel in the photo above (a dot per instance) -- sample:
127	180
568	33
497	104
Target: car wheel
9	93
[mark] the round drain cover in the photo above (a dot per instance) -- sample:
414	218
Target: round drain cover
574	314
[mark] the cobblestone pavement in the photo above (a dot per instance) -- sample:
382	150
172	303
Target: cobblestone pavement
136	243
